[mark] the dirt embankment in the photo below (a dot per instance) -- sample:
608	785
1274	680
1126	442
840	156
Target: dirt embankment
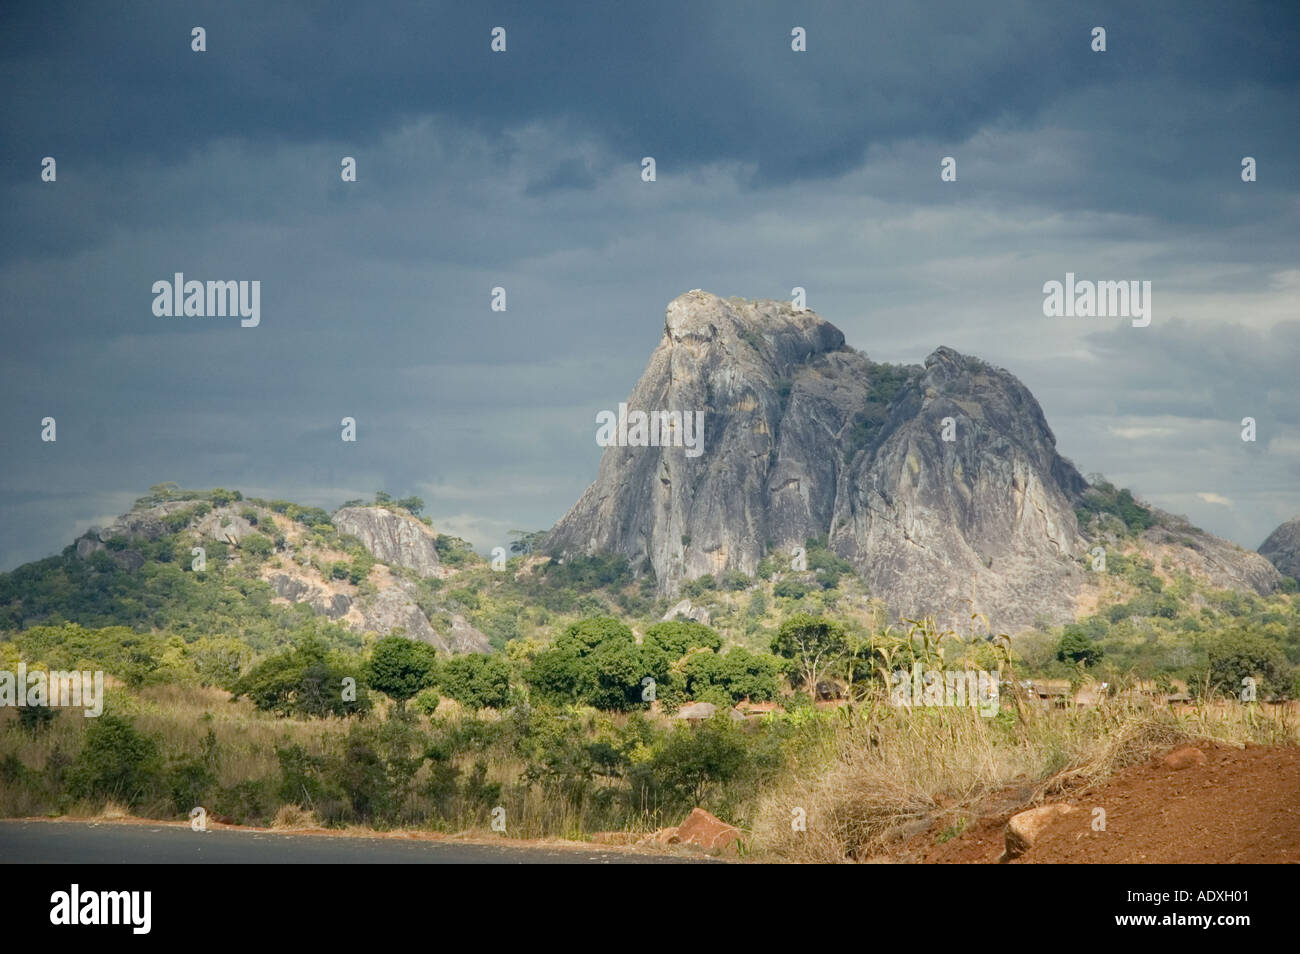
1238	806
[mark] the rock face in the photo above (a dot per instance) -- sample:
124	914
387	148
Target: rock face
1219	562
296	590
777	389
147	524
1282	548
939	483
391	609
804	437
987	515
397	539
226	526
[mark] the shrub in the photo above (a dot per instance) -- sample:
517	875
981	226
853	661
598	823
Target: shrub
257	544
116	761
694	760
790	589
426	701
35	719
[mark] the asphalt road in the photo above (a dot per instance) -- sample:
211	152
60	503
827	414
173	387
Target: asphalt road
28	842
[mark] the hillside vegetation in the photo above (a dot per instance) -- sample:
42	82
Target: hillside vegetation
228	695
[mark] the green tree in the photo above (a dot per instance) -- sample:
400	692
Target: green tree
1077	646
611	677
1240	653
675	639
728	678
477	681
257	544
412	505
306	679
401	667
594	662
812	644
790	589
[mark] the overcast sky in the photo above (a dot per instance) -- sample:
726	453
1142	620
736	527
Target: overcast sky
523	169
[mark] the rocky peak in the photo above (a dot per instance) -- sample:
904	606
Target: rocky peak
940	483
804	437
702	322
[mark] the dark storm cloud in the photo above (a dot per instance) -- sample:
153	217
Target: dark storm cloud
698	82
522	170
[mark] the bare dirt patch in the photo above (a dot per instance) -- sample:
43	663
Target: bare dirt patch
1241	806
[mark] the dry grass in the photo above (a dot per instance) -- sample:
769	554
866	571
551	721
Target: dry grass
885	773
864	778
294	818
113	811
179	718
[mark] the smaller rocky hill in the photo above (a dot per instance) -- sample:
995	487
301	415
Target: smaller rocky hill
1282	548
376	591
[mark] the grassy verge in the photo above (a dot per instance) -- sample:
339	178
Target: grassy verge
871	777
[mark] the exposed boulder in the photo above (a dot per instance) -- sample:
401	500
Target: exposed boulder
804	437
709	832
685	610
147	523
700	830
747	366
962	496
391	609
289	588
128	560
464	638
398	539
225	525
88	545
1184	757
337	606
138	523
1025	828
697	711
